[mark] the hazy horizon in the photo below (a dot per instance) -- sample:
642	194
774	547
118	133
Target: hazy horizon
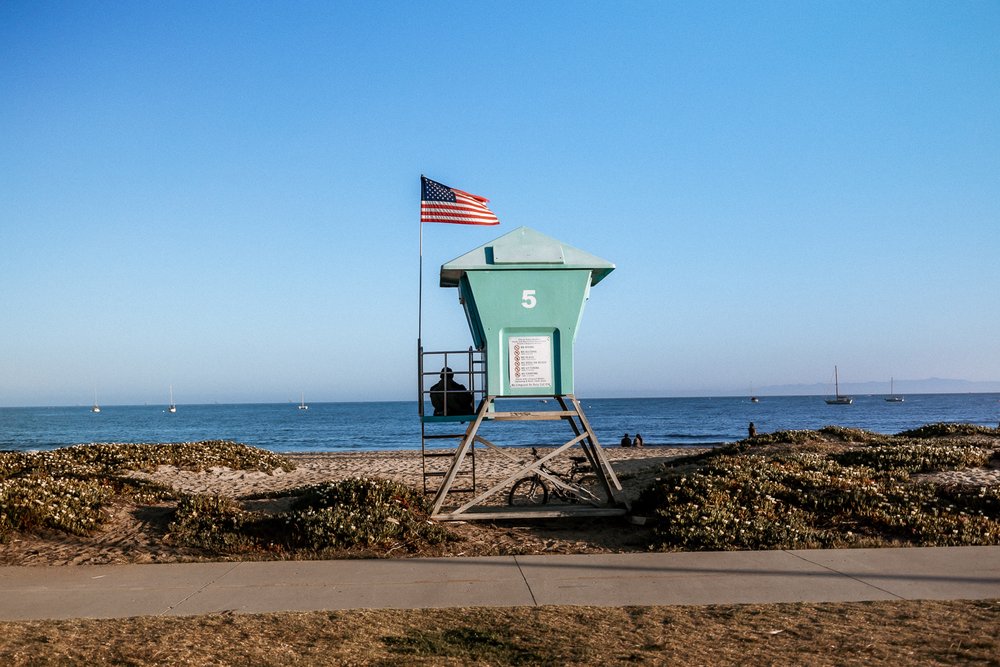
929	386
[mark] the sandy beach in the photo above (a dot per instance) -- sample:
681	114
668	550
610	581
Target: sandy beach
400	465
405	466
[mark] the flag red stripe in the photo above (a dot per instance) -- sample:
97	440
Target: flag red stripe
456	210
458	204
472	220
450	215
460	222
467	209
459	193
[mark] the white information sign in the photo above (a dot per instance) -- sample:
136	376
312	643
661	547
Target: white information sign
529	361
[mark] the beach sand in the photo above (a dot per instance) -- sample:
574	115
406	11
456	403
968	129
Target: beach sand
401	466
405	466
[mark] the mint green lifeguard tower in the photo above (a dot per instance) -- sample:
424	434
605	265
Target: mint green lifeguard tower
523	296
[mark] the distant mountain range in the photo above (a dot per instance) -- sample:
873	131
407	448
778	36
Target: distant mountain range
927	386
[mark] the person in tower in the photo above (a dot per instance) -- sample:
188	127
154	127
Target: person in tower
449	397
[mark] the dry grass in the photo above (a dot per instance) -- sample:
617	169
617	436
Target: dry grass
874	633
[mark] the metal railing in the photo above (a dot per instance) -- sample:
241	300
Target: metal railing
468	368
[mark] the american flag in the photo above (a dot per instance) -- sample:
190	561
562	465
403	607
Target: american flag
439	203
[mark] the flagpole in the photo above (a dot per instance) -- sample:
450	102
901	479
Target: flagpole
420	313
420	288
420	283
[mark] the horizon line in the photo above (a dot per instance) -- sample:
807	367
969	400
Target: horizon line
744	396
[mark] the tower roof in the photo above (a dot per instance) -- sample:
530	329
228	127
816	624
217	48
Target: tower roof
524	248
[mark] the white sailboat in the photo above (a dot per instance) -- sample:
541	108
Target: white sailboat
838	399
892	398
302	403
172	407
95	408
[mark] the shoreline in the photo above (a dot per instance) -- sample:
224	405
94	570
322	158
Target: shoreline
694	447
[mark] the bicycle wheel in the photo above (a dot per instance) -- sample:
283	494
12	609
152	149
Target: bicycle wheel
528	491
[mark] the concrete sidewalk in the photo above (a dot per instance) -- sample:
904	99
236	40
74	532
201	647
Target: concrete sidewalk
603	580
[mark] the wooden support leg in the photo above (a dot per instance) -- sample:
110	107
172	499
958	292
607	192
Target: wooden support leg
599	453
533	467
584	436
456	464
587	446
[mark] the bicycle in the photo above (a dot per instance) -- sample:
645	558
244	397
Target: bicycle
533	490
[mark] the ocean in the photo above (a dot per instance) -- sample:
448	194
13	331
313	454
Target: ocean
333	427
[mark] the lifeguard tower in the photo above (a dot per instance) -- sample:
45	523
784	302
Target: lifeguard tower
523	295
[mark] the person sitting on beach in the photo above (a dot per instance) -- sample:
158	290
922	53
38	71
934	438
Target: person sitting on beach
637	440
752	430
626	441
449	397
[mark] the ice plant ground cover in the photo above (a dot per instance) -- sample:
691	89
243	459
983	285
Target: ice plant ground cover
835	487
830	488
70	489
366	513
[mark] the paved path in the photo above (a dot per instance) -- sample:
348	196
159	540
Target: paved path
605	580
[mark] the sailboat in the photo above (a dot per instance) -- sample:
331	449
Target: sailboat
302	403
753	396
892	398
96	408
838	399
171	408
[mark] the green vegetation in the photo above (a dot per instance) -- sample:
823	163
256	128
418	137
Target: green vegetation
836	487
943	430
116	458
830	488
494	645
915	458
211	522
69	489
349	514
32	503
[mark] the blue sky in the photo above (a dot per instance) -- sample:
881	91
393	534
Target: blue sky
224	197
